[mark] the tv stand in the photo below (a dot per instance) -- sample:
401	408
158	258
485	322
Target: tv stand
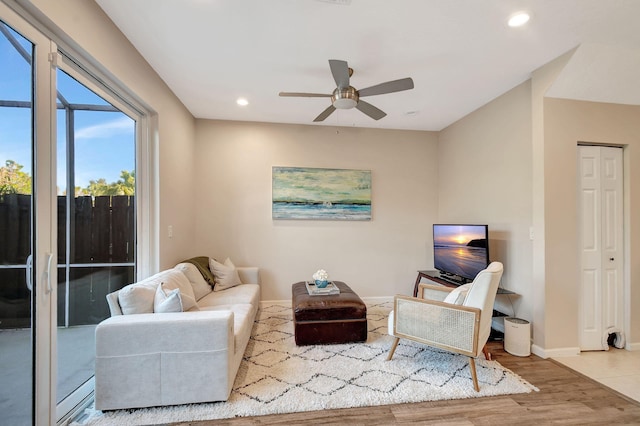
437	277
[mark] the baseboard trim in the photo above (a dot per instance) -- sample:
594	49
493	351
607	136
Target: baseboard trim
554	353
562	352
633	346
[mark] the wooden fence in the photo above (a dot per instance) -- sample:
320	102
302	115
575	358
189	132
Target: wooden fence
102	232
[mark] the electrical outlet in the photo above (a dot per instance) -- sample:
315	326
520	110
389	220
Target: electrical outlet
531	232
170	231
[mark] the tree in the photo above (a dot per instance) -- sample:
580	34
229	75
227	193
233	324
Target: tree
13	180
126	185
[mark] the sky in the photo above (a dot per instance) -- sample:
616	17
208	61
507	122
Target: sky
105	141
458	234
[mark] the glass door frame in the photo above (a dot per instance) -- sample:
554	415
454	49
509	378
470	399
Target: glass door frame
48	56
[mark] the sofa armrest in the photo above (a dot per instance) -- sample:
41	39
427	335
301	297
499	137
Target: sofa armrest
147	360
126	335
248	274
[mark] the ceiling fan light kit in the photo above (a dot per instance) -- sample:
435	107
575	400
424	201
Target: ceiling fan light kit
345	96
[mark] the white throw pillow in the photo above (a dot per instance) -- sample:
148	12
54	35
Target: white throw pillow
177	280
225	275
458	294
167	302
137	298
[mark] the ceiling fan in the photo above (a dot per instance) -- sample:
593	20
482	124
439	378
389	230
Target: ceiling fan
346	97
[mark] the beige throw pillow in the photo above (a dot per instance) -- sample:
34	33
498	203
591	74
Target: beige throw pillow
225	274
136	299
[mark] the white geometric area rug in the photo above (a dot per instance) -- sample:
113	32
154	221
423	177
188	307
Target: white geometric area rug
276	376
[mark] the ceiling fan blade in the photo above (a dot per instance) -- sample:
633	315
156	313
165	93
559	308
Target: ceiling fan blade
324	114
388	87
370	110
304	95
340	72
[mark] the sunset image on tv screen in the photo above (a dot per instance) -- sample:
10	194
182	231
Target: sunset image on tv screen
460	249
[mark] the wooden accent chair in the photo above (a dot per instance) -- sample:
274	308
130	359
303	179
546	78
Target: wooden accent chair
461	328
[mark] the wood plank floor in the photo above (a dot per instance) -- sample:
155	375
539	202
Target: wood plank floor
565	397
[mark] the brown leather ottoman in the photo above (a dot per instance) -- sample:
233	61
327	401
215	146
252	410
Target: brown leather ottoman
339	318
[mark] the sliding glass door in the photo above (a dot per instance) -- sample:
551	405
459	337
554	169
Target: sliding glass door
96	225
27	239
68	159
16	287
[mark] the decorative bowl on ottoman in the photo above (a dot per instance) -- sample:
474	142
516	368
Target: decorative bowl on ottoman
322	283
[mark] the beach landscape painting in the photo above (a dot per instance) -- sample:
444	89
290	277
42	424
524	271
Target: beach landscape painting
321	194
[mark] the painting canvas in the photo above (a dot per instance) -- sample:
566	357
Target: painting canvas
327	194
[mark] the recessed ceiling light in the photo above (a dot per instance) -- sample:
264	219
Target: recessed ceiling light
242	102
518	19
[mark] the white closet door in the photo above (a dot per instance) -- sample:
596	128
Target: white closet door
601	243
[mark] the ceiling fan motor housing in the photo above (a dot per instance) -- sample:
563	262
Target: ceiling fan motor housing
345	98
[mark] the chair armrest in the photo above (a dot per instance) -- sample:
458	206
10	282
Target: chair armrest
443	325
248	274
433	291
198	331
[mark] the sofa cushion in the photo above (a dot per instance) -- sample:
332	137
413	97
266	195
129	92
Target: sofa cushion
167	301
200	286
241	294
202	264
226	275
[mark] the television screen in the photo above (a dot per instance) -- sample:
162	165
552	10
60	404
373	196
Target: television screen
461	250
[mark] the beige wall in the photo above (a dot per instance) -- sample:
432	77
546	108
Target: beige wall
377	258
541	81
567	123
485	177
84	26
514	162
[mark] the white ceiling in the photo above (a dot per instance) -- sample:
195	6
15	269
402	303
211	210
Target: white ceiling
460	53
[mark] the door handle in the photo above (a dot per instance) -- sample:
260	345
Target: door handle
29	268
47	273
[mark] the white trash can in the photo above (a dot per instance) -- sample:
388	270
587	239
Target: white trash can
517	336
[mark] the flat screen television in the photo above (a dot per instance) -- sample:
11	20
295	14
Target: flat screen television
460	251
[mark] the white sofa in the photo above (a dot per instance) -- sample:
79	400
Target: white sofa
155	359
